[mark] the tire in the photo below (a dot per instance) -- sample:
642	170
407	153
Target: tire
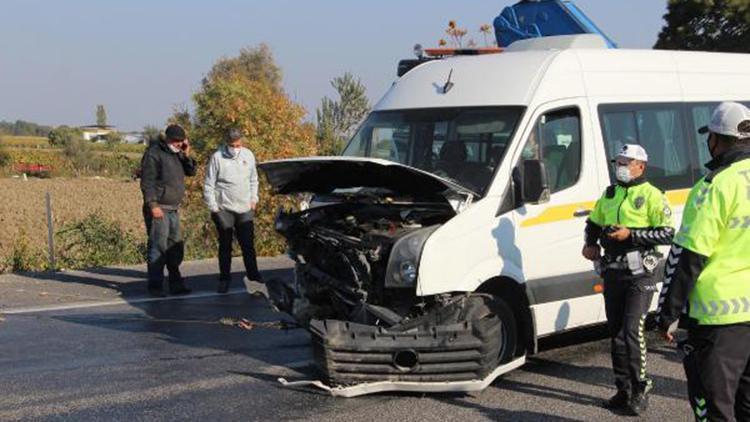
509	329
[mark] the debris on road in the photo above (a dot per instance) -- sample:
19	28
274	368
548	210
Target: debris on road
246	324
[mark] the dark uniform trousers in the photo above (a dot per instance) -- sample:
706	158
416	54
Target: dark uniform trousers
717	364
626	300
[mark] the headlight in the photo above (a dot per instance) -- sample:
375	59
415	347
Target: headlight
403	264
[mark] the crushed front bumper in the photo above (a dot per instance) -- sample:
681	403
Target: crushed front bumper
348	353
408	386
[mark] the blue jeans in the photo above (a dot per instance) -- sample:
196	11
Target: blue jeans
165	248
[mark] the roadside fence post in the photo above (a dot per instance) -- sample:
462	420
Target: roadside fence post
50	234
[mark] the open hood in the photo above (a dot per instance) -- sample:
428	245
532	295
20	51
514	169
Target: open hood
323	175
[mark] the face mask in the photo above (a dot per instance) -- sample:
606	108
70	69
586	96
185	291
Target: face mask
623	174
711	150
235	151
175	148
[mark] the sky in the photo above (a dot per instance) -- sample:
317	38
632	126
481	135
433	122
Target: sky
141	58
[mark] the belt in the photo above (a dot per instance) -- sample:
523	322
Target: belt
616	266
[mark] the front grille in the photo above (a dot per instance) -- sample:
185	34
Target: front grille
349	353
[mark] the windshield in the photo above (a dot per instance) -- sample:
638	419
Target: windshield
461	144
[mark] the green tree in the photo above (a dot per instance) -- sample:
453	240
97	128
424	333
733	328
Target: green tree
337	119
63	135
253	63
23	128
101	115
706	25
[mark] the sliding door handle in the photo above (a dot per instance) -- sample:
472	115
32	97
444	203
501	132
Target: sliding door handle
582	213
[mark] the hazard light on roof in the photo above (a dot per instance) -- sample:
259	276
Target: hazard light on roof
442	52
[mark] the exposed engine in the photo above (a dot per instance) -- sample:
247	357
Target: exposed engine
342	253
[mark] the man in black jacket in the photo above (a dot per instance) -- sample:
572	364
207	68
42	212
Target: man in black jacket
164	167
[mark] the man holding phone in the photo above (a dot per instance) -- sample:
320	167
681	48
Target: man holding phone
231	194
164	166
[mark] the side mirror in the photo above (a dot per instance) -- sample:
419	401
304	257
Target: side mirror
532	182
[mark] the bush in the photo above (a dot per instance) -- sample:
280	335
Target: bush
80	154
24	257
95	241
63	135
5	157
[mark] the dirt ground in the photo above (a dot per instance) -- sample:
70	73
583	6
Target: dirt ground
22	206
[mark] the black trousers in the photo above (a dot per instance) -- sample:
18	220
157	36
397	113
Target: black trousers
230	225
165	248
626	301
717	366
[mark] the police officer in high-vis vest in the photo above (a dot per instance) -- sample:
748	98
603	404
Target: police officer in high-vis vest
629	221
708	274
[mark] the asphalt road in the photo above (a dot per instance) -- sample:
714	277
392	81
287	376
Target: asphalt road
137	359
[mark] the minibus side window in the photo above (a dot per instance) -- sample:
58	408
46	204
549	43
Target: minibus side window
660	130
556	140
701	117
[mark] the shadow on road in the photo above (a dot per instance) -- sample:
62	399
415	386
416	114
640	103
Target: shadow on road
593	375
503	414
189	321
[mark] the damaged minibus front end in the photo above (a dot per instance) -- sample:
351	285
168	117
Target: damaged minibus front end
357	251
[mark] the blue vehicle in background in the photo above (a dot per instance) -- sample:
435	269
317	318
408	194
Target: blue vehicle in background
543	18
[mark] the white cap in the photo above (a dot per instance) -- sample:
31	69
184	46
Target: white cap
731	119
632	151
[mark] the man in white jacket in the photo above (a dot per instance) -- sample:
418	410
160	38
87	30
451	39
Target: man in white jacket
231	194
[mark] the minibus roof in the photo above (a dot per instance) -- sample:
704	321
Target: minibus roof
547	70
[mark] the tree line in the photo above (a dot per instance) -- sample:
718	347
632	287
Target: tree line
23	128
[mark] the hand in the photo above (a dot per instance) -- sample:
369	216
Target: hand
668	333
186	146
591	252
620	234
253	204
157	212
668	336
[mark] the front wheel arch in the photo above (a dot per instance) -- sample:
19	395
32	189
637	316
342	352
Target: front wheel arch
514	295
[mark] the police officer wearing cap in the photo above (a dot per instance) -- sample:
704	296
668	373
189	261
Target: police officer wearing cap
708	274
629	221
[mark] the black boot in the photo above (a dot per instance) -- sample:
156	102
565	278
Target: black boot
223	286
618	401
638	404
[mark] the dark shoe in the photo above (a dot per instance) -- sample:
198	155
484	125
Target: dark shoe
179	290
618	401
156	292
638	404
223	286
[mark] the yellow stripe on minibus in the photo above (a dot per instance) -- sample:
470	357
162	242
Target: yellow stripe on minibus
567	211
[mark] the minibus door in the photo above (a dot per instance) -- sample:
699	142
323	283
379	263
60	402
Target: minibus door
561	283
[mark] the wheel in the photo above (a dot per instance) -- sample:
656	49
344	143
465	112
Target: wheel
508	328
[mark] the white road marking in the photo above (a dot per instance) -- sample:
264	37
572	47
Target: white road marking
114	302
